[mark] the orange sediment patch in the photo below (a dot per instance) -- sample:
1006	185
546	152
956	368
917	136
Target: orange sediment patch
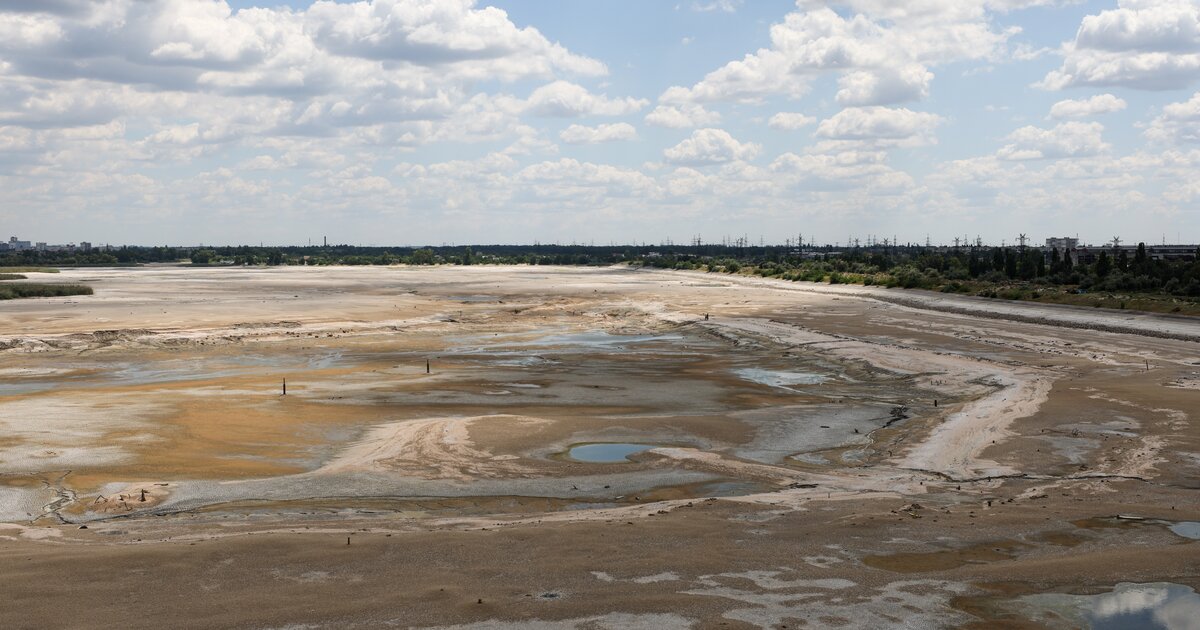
225	438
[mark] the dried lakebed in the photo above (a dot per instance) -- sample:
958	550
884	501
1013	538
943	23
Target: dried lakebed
649	447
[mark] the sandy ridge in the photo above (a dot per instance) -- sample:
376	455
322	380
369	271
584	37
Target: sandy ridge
1062	316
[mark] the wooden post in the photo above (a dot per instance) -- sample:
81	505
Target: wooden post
285	387
427	366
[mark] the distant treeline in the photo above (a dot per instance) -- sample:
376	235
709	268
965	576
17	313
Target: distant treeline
331	255
987	271
347	255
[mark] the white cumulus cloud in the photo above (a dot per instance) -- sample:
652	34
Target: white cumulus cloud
881	125
790	121
1065	140
682	116
710	146
882	50
566	99
885	86
1177	122
1099	104
579	134
1146	44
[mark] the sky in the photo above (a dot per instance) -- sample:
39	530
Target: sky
410	122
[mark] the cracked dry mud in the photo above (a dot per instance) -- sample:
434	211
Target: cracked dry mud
799	471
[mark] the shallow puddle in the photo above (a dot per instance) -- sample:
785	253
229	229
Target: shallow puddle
1187	529
606	453
779	378
515	347
202	367
595	339
1160	605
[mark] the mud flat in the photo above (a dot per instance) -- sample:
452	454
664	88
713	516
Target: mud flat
494	447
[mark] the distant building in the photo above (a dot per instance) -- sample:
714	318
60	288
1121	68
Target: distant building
1171	252
85	246
1088	254
1062	244
15	245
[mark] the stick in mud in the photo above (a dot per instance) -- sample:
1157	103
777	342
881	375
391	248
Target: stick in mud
285	387
427	366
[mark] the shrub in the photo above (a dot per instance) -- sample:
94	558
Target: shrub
17	291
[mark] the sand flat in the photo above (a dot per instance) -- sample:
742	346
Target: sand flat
429	413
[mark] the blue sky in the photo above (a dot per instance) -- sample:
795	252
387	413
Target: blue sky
412	122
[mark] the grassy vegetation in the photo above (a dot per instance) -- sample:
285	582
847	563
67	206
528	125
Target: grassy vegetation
1123	280
32	290
11	276
1039	290
27	270
1149	302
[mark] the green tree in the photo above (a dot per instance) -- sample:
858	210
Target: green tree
1103	265
422	257
203	256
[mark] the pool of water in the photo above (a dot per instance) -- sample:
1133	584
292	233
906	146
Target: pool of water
1187	529
170	371
606	453
588	340
595	339
519	360
779	378
20	389
1153	606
